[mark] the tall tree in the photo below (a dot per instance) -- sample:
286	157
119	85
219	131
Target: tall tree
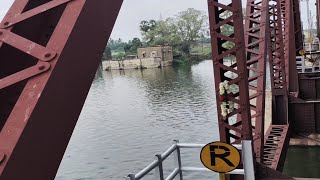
181	31
191	24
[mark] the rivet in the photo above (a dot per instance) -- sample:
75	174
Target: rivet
41	68
1	33
47	55
6	23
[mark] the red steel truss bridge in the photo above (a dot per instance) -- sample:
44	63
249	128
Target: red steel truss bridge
41	41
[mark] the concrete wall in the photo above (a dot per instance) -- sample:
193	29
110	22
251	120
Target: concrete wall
135	64
164	52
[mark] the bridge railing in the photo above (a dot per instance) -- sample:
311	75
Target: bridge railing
157	165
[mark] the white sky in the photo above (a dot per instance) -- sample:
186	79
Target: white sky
134	11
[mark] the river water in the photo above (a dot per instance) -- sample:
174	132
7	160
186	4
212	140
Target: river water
131	116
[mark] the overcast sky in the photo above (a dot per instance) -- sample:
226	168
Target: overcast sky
134	11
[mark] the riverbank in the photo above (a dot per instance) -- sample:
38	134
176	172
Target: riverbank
145	63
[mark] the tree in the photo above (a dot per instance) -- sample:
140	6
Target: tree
227	30
132	46
146	26
181	32
191	24
107	55
116	45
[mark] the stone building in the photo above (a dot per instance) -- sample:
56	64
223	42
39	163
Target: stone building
150	57
162	52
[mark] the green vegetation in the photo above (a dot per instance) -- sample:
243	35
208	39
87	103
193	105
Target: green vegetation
187	32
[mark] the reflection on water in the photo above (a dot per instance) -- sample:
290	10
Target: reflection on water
131	116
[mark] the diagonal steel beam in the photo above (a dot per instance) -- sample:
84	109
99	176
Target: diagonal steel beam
38	111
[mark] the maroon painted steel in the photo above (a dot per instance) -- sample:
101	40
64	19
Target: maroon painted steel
277	65
289	46
297	26
232	130
256	28
27	46
41	101
24	74
276	145
305	110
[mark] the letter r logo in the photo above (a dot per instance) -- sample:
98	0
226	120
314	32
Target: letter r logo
214	155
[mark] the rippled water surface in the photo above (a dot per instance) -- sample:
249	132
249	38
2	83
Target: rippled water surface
131	116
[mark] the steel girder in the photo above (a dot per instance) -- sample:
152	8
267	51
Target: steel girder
277	65
237	124
50	51
256	28
289	46
297	26
276	146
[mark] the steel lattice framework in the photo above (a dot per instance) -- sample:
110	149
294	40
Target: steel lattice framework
237	125
277	65
256	30
42	41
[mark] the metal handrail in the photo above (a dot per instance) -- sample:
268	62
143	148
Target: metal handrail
156	165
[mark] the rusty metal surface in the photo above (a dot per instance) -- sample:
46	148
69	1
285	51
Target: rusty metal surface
304	116
304	110
256	31
38	111
237	125
277	140
309	86
277	65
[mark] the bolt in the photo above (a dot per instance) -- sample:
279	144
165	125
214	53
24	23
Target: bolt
41	68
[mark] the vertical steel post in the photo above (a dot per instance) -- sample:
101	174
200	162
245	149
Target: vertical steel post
159	171
277	66
248	159
177	159
289	46
256	28
234	126
232	130
297	26
50	51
